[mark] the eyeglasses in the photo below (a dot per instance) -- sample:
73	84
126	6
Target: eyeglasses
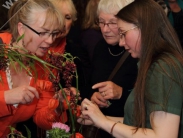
44	35
122	34
110	25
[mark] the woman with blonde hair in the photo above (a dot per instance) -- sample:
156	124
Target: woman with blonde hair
68	10
68	13
21	95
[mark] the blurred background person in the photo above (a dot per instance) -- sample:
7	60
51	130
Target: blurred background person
90	36
175	15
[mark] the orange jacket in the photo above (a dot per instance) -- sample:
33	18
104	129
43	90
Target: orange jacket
38	108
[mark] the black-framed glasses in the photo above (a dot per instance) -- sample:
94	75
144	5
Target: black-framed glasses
122	34
110	25
44	35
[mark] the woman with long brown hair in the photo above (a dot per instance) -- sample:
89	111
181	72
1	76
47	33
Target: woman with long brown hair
154	107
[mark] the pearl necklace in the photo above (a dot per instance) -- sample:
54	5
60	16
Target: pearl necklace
9	80
116	54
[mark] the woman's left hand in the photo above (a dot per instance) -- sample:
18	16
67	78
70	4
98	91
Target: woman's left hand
84	120
91	114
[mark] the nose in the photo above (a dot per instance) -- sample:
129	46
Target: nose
49	40
121	42
106	28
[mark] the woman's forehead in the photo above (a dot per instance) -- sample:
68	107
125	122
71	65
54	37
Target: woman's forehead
107	16
37	17
65	7
40	20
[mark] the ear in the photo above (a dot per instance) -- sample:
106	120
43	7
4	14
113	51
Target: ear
21	29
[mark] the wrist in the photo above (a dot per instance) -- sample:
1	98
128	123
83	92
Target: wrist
6	98
112	128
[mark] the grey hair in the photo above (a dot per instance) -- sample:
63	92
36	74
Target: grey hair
112	6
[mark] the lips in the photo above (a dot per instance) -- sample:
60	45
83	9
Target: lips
109	36
44	49
127	49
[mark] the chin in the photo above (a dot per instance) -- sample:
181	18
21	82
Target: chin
111	42
40	54
134	55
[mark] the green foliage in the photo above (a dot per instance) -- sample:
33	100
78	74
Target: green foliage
58	133
19	38
28	132
16	134
26	60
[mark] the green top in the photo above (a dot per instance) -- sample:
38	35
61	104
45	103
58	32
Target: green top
166	92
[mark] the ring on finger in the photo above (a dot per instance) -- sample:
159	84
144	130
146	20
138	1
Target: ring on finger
86	107
104	94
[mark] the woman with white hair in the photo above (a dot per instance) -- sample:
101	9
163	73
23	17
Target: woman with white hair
106	55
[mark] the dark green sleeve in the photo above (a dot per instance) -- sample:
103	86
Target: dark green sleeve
164	92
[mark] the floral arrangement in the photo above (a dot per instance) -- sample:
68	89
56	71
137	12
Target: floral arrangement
60	130
54	64
65	64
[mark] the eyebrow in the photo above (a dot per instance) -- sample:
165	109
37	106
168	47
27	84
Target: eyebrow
111	20
56	30
44	29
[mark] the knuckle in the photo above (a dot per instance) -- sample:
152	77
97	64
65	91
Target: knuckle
22	99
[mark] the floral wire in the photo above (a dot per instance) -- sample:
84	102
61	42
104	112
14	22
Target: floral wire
77	87
70	110
68	58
